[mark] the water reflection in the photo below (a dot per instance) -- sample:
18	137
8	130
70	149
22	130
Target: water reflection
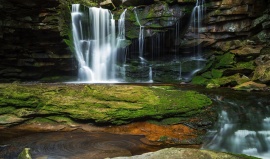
75	145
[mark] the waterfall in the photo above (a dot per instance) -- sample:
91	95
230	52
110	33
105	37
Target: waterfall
141	34
122	51
196	21
243	127
121	26
94	42
195	28
150	75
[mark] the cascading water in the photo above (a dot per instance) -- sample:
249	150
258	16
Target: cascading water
150	75
101	53
122	51
94	42
243	127
196	21
141	34
195	28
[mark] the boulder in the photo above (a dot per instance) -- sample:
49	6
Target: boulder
262	71
250	86
248	50
182	153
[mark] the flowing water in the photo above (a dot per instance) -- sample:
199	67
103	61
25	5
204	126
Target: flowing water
195	29
196	23
101	50
95	43
243	124
141	34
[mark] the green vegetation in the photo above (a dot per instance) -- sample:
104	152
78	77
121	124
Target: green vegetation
116	104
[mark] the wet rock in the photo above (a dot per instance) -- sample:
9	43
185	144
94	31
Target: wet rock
32	30
250	86
262	71
180	153
157	133
266	25
9	119
248	50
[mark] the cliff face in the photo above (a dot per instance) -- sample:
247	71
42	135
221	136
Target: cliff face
30	41
237	36
234	37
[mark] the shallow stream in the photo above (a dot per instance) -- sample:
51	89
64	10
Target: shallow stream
243	126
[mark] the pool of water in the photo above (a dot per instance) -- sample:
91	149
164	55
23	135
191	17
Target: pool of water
75	145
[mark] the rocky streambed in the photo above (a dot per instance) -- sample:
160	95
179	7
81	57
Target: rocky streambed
105	120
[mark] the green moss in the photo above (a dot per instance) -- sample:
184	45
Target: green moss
115	104
163	138
40	120
11	96
229	80
23	112
207	74
216	73
225	61
167	121
132	34
6	110
25	154
245	65
199	80
60	119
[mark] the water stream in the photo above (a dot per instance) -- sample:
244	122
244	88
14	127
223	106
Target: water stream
94	37
101	50
141	34
243	124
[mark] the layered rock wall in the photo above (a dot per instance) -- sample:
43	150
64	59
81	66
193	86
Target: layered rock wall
30	41
237	35
234	37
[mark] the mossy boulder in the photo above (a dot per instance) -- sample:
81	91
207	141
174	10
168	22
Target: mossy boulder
228	69
250	86
111	104
262	71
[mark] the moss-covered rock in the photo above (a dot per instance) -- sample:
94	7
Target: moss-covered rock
117	104
25	154
232	80
250	86
226	60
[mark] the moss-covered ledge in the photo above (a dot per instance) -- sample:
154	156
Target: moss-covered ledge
98	104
